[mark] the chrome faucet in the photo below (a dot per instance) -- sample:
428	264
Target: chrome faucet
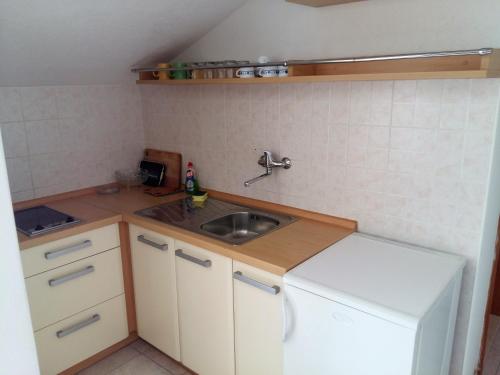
267	162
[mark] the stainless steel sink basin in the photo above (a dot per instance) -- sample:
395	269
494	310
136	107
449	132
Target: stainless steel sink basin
240	225
224	221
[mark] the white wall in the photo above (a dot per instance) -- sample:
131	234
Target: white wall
409	160
279	29
17	343
486	258
65	138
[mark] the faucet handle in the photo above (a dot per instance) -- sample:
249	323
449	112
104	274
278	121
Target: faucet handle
287	163
266	159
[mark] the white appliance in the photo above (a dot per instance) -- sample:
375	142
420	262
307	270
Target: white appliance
369	306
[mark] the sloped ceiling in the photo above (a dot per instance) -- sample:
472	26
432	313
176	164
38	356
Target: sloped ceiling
59	42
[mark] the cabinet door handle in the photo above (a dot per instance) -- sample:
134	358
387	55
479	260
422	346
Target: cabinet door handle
67	331
257	284
57	253
204	263
287	319
71	276
158	246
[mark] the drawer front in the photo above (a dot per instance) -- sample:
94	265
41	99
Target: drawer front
67	290
58	253
72	340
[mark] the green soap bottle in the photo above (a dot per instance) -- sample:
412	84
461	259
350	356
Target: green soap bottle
192	186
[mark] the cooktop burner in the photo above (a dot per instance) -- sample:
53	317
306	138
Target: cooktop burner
41	219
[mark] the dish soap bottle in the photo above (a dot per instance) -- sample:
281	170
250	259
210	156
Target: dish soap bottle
192	186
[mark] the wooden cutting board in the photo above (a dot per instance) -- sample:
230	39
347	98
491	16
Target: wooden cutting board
173	162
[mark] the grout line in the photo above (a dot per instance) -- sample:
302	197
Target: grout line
157	363
21	103
123	364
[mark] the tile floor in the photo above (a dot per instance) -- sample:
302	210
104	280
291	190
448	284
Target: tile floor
138	358
491	364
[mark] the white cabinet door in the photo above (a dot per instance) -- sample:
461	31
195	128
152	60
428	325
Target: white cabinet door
153	267
258	319
326	337
205	296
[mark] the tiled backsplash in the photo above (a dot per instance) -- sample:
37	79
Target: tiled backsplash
408	159
58	139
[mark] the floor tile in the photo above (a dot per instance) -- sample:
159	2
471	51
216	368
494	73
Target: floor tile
112	362
140	345
164	361
140	365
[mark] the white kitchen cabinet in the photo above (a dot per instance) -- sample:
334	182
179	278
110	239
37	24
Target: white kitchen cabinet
153	266
258	320
76	295
205	298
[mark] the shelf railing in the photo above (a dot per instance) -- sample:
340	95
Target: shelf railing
243	64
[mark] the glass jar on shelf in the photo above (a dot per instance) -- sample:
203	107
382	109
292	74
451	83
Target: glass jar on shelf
208	73
220	71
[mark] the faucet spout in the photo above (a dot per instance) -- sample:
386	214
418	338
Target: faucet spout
255	179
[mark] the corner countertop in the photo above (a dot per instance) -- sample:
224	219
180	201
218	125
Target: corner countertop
276	252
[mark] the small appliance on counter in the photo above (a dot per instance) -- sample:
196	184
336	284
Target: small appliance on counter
41	219
155	172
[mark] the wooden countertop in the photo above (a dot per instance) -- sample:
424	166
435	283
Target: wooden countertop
276	252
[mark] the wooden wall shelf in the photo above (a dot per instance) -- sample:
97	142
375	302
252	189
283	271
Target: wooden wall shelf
442	67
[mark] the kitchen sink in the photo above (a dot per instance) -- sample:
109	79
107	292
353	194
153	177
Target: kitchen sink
218	219
241	225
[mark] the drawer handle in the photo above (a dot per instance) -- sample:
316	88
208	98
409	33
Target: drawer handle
67	250
67	331
257	284
71	276
143	239
204	263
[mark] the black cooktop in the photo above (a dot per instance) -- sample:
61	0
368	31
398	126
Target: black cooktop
41	219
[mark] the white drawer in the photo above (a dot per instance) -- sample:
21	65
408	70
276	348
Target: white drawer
94	330
66	250
64	291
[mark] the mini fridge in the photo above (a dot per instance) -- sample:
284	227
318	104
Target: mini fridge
367	305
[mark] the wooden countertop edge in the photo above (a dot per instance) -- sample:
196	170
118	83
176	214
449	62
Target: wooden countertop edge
67	232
